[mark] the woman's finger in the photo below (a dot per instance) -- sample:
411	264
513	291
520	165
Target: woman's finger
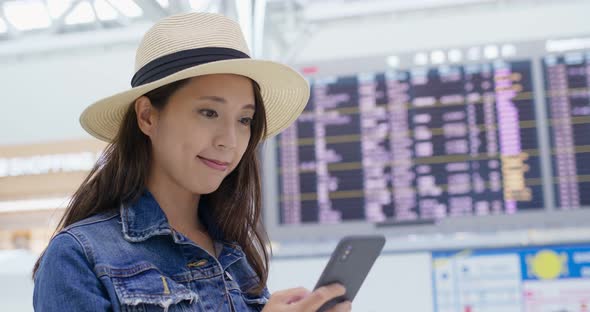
291	295
320	296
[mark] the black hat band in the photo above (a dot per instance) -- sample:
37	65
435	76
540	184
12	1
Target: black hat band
175	62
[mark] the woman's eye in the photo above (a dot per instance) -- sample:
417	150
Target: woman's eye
246	121
208	113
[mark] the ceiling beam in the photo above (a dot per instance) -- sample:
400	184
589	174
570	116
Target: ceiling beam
179	6
58	24
11	31
152	10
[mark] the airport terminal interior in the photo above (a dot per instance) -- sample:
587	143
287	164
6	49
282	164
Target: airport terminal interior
458	129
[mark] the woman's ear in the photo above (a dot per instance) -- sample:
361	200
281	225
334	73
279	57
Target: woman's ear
147	115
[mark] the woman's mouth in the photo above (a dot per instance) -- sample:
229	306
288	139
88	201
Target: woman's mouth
214	164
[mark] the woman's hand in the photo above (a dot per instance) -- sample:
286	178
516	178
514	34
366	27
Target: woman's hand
302	300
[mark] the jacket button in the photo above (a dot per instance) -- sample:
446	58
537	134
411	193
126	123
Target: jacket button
197	264
229	276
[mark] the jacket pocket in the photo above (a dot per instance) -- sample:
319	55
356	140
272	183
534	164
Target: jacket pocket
148	290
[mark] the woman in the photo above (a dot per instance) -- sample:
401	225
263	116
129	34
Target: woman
169	217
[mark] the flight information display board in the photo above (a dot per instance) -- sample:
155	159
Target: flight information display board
567	85
420	144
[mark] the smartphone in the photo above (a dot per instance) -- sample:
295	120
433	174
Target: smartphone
349	265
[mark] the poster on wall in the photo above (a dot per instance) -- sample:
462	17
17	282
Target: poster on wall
530	279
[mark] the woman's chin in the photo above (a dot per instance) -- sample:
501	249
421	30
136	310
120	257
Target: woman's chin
206	188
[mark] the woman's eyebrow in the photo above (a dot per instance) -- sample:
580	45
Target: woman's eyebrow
221	100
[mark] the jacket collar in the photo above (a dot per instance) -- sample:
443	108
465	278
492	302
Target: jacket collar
145	218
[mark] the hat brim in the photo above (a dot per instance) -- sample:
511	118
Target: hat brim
284	91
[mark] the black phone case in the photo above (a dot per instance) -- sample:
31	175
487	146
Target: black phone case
351	271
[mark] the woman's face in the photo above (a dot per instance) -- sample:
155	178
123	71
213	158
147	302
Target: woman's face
203	131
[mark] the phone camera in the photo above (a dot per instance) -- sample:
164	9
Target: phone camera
347	251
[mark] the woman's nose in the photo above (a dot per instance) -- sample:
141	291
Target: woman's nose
226	137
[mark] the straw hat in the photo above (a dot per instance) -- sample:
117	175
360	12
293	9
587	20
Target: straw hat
194	44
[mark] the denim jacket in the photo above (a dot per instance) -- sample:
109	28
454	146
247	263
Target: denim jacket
133	260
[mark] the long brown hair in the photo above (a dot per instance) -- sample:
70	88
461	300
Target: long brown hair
120	176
